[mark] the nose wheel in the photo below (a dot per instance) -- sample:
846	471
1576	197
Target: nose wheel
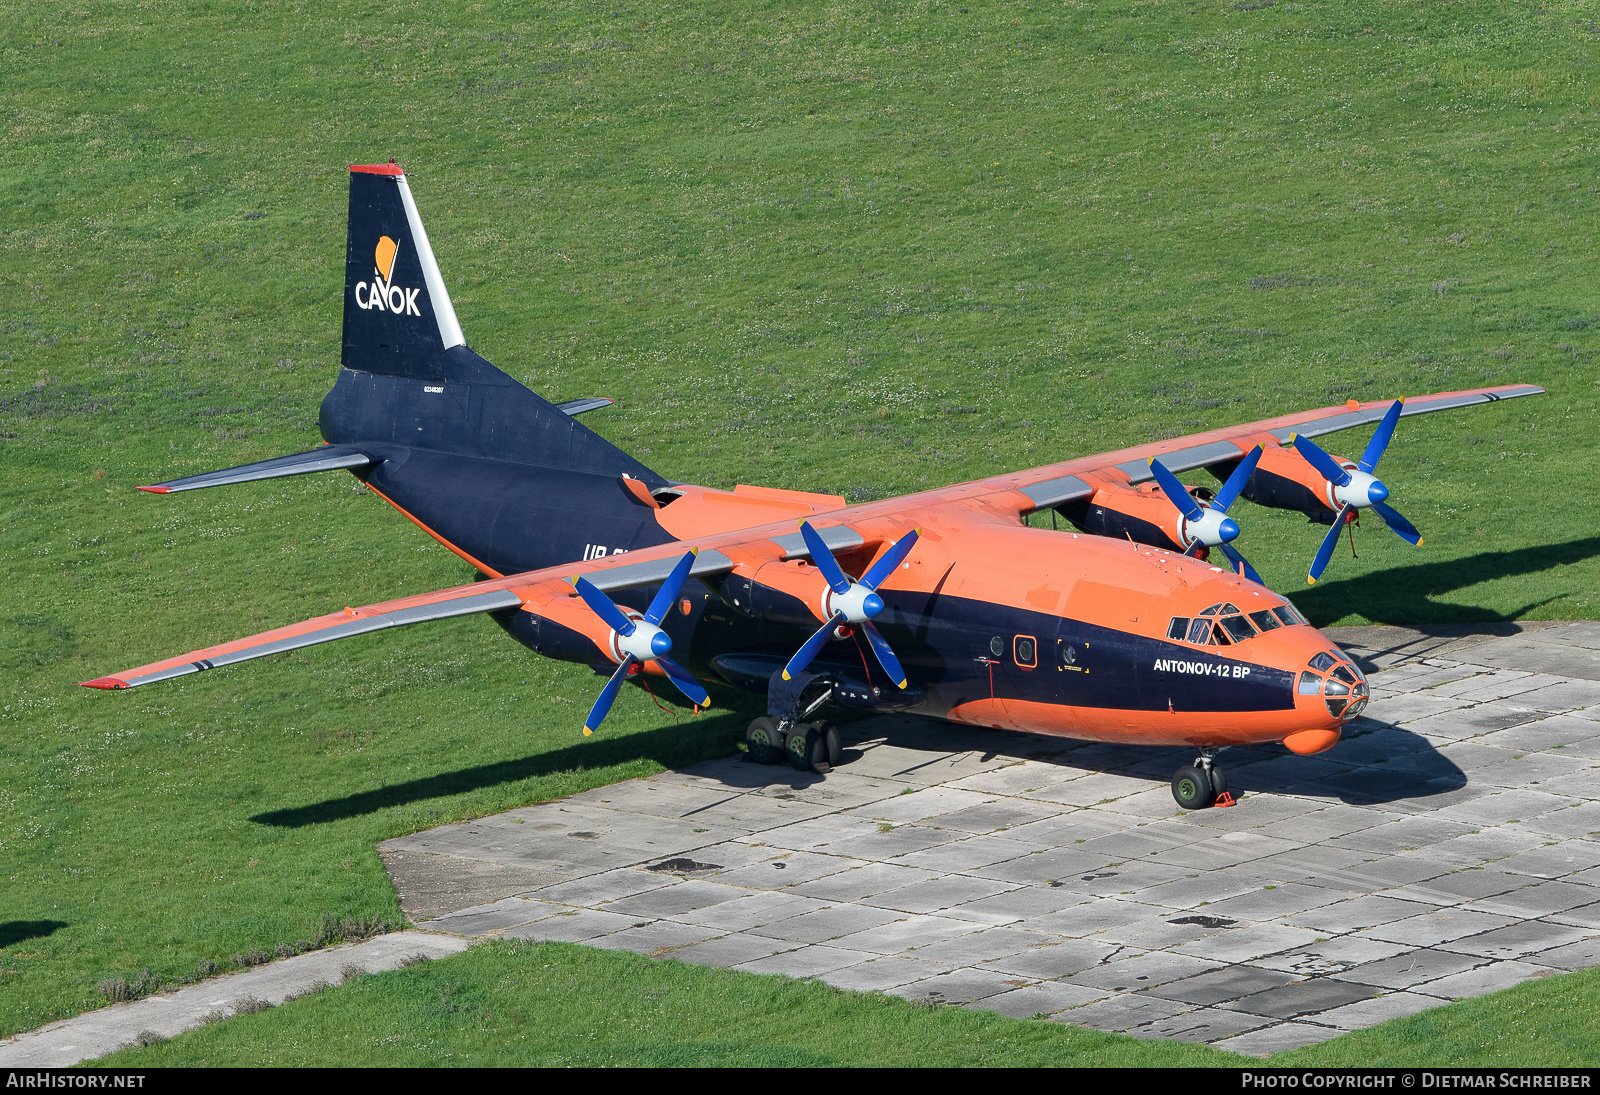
1202	784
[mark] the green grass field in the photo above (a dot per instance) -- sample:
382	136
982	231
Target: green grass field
858	249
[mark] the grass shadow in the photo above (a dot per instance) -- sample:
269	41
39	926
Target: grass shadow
1405	596
18	931
668	746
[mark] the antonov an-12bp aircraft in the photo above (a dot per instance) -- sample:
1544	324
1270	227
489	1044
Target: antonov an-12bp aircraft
945	603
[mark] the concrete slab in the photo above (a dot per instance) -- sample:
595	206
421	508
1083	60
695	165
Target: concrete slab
1042	999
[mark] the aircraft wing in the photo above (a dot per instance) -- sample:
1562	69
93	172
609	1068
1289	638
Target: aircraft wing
1057	484
535	589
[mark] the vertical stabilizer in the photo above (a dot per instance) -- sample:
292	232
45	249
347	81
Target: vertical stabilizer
398	319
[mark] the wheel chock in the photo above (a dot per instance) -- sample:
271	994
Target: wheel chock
1224	800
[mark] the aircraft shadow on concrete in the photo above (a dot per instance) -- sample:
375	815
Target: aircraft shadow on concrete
1418	769
1374	763
20	931
1406	596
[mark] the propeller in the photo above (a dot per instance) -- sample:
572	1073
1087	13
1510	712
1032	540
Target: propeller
1358	489
639	641
851	602
1210	524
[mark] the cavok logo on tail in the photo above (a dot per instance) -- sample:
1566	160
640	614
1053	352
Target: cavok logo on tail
381	294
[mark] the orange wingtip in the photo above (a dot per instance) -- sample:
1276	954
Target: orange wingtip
157	490
104	682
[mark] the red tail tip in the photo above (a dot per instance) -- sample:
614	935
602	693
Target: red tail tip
157	490
104	682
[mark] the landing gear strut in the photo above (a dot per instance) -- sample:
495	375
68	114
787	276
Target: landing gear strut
1202	784
808	746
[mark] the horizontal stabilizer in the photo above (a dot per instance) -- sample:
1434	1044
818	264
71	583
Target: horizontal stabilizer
323	629
327	458
578	406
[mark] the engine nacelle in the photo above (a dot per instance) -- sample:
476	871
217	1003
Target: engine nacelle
792	593
1283	480
1142	514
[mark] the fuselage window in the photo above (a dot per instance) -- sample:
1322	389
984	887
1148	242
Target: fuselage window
1025	651
1178	628
1069	654
997	646
1322	661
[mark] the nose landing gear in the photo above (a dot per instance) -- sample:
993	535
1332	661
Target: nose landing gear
1202	784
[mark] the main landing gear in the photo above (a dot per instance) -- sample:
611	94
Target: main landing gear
1202	784
808	746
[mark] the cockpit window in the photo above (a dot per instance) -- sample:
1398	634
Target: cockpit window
1289	615
1237	627
1322	661
1212	611
1200	631
1178	628
1265	620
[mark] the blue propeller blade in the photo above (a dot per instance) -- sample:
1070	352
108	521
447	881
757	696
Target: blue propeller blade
603	607
608	696
1174	490
1241	475
1400	526
1240	564
886	658
1326	466
1380	440
680	676
1325	552
885	566
822	558
812	647
669	588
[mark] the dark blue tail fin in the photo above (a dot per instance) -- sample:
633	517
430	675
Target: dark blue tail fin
409	378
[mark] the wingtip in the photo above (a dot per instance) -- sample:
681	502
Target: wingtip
157	490
104	682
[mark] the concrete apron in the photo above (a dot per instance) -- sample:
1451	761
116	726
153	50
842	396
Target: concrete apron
1444	849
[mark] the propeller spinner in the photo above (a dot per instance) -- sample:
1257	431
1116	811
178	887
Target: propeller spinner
1209	525
639	640
851	602
1357	489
